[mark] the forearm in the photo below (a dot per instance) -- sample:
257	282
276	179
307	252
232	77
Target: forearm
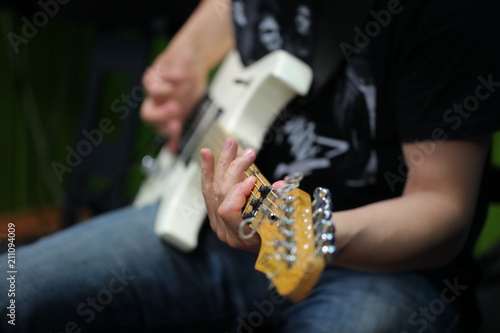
417	231
425	227
208	32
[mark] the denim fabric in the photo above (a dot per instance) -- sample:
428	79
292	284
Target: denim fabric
113	274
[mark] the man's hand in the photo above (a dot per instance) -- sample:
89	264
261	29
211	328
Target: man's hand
177	79
174	84
225	192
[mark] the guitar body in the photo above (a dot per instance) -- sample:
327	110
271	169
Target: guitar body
244	101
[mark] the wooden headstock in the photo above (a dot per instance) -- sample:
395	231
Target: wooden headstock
296	235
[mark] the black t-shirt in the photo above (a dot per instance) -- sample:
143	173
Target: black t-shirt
418	71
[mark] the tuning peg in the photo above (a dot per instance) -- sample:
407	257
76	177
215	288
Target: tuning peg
321	192
288	246
325	233
325	225
289	210
289	259
321	214
322	207
294	178
326	237
293	181
327	251
322	198
322	203
287	221
289	234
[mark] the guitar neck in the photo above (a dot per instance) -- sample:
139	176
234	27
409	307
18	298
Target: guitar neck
262	190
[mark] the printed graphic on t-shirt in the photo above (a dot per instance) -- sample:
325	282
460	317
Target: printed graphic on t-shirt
301	45
340	142
239	14
353	128
311	151
269	33
266	26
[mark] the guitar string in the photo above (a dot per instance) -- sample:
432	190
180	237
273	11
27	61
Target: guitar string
222	137
253	171
219	141
216	143
254	191
267	202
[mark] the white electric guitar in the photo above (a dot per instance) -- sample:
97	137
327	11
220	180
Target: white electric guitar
297	235
242	103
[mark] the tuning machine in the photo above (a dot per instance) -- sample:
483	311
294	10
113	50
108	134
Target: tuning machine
284	193
286	222
292	182
322	207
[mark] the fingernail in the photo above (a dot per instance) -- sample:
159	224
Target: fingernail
227	143
247	152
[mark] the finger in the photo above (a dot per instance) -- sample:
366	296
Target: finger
207	170
227	155
236	171
163	119
207	176
156	83
154	113
230	212
279	184
231	208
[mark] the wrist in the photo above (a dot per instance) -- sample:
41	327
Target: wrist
208	35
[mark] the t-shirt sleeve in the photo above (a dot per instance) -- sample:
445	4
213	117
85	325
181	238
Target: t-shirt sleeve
446	80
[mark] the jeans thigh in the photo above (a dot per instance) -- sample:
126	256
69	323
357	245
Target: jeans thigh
114	273
358	302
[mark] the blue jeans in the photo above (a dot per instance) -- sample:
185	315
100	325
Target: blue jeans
113	274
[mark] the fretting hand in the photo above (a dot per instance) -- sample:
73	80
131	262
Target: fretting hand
225	191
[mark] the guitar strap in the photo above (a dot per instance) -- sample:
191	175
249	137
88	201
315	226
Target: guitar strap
336	38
